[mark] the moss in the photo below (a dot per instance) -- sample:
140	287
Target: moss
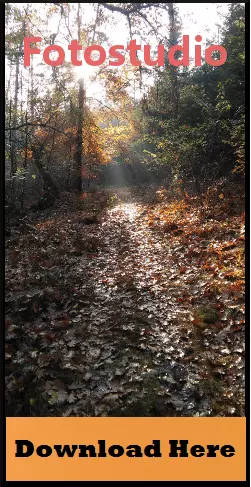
212	386
207	314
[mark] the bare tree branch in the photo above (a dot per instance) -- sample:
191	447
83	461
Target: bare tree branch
130	26
127	11
95	25
33	124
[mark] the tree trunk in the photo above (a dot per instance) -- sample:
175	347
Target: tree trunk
14	117
50	187
79	138
173	69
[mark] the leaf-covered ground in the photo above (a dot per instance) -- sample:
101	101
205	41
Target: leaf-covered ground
138	313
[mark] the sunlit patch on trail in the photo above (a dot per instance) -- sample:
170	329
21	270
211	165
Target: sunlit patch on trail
131	211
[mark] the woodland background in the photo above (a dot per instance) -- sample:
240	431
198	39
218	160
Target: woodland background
162	150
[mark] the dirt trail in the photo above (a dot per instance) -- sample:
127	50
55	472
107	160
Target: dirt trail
122	344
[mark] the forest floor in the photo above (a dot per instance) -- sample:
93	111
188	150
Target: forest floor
140	313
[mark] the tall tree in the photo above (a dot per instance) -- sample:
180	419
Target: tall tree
79	139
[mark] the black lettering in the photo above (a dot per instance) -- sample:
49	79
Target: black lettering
134	451
40	450
84	448
182	448
20	448
66	449
211	450
155	447
197	451
102	452
112	449
227	451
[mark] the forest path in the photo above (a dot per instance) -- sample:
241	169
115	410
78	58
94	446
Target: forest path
116	336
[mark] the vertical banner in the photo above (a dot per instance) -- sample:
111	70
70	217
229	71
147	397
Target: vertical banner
125	241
